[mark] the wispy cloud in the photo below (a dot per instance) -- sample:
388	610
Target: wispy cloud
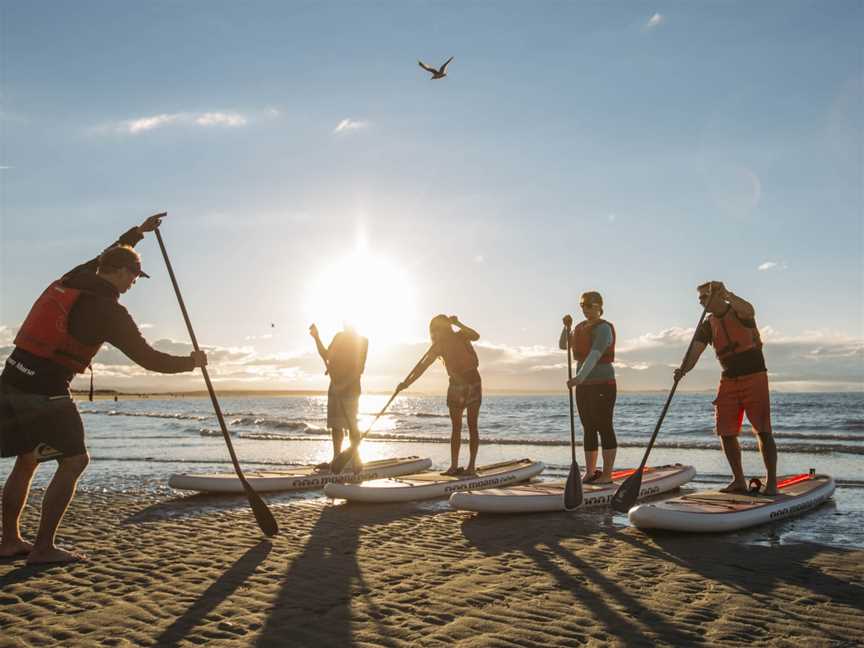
771	265
4	168
152	122
347	125
654	21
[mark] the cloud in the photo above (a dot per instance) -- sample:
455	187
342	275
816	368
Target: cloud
654	21
347	125
6	168
153	122
771	265
814	360
220	119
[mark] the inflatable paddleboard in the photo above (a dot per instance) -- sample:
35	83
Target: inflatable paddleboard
300	478
713	511
433	484
549	496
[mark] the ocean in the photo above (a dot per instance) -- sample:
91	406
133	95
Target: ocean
136	444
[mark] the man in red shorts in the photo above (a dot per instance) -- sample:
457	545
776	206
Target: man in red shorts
731	328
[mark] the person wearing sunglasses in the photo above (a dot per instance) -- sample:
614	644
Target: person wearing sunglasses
64	330
731	329
592	343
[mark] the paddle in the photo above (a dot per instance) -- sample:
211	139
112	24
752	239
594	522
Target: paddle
263	515
573	487
627	494
338	464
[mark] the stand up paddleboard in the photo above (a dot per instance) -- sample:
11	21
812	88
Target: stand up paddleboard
534	498
301	478
429	485
713	511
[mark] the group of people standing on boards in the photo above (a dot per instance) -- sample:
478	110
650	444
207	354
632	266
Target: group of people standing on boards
730	327
77	313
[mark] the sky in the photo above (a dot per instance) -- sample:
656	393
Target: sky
312	172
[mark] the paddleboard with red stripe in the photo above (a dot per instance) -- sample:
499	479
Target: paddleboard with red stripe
549	496
716	512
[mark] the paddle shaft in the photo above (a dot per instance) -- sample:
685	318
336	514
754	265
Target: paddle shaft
570	393
671	394
246	486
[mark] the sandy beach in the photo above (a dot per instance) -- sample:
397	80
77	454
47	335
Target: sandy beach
196	571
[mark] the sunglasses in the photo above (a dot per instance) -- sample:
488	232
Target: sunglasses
587	304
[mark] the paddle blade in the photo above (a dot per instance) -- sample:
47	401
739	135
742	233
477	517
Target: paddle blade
628	492
573	488
263	516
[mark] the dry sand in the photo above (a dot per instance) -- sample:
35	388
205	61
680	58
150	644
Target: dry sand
196	571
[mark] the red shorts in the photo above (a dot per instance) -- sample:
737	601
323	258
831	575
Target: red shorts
737	396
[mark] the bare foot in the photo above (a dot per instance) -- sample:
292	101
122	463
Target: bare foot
735	487
603	479
15	548
770	489
54	555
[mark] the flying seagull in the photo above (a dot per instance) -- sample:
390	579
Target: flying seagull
436	74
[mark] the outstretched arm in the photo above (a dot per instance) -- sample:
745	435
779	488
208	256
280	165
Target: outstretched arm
130	237
322	350
418	371
691	360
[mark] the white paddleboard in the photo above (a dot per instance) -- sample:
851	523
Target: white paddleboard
713	511
300	478
549	496
433	484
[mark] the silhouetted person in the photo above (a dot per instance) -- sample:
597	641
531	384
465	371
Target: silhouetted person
465	390
345	359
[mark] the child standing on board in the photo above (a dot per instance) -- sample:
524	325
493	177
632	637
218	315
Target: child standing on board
465	390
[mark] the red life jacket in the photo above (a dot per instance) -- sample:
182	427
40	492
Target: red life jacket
580	341
729	336
45	332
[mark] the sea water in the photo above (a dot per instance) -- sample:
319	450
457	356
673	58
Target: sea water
136	445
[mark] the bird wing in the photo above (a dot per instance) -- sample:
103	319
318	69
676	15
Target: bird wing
426	67
444	67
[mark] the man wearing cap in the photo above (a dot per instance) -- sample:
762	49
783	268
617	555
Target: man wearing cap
731	329
65	328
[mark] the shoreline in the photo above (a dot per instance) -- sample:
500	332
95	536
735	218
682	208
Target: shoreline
167	569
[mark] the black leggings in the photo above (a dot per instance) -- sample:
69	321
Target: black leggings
596	402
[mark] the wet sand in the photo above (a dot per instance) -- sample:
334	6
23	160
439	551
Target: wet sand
196	571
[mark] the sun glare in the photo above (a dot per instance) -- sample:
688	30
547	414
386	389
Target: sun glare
369	292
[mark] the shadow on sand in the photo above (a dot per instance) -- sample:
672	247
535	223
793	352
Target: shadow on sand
313	606
214	595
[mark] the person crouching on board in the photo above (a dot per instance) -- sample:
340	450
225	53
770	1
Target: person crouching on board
345	360
39	421
731	329
465	390
592	343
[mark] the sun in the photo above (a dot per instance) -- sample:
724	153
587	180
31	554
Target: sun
368	291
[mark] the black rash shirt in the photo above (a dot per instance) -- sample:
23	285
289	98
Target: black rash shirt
97	317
